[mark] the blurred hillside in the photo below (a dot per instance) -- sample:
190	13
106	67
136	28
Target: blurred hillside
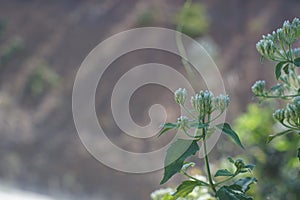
42	44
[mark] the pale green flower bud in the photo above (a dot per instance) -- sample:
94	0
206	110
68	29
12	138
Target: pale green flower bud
221	102
280	35
259	88
291	112
208	99
279	115
239	163
297	101
180	96
202	102
260	47
197	103
270	47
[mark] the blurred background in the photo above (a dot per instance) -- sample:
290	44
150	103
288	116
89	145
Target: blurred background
42	44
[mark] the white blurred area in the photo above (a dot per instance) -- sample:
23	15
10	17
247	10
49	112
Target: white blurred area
14	194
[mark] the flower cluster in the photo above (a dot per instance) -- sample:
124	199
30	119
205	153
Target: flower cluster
272	46
203	103
180	96
259	88
290	115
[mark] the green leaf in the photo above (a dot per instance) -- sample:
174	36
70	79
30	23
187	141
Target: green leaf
286	68
278	69
185	188
228	131
276	87
227	193
230	160
245	183
250	166
176	155
223	172
271	137
297	62
298	154
167	127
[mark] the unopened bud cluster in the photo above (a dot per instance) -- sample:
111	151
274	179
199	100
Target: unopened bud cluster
180	96
291	114
259	88
270	46
203	103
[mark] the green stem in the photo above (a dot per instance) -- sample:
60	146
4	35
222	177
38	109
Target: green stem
211	183
224	181
275	97
193	178
188	112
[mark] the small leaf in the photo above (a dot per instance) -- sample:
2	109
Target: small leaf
167	127
286	68
250	166
271	137
297	62
230	160
245	183
228	193
228	131
185	188
278	69
223	172
276	87
176	155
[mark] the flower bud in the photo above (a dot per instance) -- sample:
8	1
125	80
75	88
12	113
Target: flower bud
280	35
221	102
260	47
239	163
259	88
202	102
180	96
279	115
197	103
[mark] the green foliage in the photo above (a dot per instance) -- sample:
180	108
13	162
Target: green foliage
225	128
176	155
42	78
193	19
9	50
204	104
223	172
278	47
147	17
185	188
276	167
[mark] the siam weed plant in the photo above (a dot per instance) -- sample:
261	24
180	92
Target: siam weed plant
279	47
197	128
